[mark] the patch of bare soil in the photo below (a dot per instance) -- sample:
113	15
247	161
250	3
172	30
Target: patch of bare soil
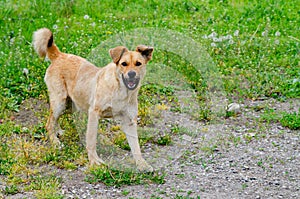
238	157
31	111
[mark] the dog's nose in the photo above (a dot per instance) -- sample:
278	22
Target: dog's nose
131	74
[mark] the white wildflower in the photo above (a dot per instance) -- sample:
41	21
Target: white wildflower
277	42
12	41
227	37
93	24
231	41
55	26
75	44
86	17
213	44
215	39
236	33
264	33
277	33
212	35
25	71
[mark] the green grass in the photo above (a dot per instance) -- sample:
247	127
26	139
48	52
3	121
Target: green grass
9	190
164	95
291	120
45	186
113	177
259	60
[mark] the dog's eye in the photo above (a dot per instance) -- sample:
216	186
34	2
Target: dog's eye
124	64
138	63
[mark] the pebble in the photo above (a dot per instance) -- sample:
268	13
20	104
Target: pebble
186	137
234	107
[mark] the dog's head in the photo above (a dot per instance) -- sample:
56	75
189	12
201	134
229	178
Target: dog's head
131	65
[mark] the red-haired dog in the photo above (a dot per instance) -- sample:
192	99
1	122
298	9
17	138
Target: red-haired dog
110	91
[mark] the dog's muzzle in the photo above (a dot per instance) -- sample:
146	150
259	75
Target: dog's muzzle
131	82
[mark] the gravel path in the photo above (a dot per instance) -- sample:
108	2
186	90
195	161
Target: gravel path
240	157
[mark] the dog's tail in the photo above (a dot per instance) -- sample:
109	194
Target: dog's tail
44	45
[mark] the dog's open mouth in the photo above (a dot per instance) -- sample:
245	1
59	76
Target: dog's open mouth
131	83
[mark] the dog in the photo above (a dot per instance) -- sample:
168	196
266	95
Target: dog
105	92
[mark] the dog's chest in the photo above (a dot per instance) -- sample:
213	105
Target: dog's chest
117	105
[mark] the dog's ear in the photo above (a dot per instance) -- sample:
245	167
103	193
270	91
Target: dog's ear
146	51
117	52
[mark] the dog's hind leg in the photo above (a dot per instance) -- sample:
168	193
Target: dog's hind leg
52	126
58	99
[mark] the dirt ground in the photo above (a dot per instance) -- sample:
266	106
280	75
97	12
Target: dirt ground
237	157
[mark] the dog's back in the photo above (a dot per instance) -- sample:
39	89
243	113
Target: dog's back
68	75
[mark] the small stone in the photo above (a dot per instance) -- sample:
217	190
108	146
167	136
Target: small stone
277	183
234	107
187	138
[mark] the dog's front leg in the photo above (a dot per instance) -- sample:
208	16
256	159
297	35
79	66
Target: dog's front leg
91	138
130	129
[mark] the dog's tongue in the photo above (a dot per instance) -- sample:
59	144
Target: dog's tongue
131	84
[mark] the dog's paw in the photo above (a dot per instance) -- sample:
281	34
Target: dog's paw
55	141
94	159
143	166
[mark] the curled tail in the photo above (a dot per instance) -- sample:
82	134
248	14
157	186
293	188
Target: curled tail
44	45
